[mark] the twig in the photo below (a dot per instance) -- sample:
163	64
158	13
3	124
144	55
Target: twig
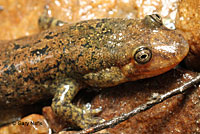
158	99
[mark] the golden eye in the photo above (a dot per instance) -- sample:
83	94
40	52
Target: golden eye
143	55
156	18
153	20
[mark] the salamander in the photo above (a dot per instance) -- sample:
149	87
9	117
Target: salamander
96	53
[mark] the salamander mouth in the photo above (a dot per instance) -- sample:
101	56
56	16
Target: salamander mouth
157	72
147	73
159	64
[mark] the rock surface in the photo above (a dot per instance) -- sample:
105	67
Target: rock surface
188	20
22	15
32	124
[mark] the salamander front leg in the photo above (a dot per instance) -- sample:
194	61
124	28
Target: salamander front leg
62	106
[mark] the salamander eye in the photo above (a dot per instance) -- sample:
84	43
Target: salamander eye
142	55
153	20
156	18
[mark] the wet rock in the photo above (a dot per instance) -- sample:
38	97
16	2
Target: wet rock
188	20
32	124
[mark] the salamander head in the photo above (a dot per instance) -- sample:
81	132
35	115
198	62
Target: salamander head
158	51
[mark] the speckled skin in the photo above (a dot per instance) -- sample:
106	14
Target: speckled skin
97	53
